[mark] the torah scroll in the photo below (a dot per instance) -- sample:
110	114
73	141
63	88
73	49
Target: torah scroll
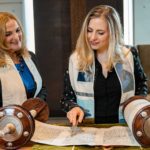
137	115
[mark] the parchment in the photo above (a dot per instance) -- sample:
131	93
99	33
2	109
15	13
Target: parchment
62	135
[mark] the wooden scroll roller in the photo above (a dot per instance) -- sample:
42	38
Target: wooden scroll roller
38	108
17	123
137	115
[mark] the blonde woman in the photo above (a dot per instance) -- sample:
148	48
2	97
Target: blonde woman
19	77
103	73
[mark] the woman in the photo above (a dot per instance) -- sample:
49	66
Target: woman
19	78
103	73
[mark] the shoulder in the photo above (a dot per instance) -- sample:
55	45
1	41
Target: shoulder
132	49
33	57
73	60
73	56
125	50
32	54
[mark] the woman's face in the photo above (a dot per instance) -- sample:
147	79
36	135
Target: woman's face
13	36
98	34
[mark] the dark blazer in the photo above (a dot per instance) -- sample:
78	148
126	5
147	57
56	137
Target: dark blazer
68	100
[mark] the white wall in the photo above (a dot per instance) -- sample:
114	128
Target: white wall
23	9
13	6
141	21
128	21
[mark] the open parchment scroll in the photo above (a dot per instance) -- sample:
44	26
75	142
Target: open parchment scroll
61	135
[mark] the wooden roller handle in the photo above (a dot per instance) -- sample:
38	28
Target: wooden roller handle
38	108
8	129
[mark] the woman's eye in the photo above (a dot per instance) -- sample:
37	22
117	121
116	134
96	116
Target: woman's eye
88	30
8	34
101	33
18	30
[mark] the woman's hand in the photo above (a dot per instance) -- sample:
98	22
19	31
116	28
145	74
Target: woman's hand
75	115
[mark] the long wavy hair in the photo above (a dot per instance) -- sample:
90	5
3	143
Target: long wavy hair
4	18
85	53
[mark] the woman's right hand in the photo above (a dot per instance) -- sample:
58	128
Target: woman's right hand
75	115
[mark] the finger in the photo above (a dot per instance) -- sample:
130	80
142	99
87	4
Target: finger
74	120
80	117
69	117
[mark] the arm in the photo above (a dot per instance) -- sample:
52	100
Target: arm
75	113
43	92
68	100
140	76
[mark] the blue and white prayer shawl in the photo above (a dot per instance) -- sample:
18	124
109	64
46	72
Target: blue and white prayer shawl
83	83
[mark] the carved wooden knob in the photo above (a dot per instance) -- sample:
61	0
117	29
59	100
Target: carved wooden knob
16	125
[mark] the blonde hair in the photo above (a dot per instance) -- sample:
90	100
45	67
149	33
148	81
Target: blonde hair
4	18
85	53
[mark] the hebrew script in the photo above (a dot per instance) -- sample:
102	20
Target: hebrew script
62	135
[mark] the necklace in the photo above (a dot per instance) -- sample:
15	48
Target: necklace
20	66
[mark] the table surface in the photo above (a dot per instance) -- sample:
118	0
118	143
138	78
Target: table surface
35	146
60	120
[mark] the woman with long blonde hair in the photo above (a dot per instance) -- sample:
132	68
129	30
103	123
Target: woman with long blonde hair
103	73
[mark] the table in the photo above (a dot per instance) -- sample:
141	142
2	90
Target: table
64	121
35	146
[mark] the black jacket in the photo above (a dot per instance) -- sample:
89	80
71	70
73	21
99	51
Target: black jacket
68	100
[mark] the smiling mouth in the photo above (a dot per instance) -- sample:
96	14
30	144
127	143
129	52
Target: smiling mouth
15	43
94	44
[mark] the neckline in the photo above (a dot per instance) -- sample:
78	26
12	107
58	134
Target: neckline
20	66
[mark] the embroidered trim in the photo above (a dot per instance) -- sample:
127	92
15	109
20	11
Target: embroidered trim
84	94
